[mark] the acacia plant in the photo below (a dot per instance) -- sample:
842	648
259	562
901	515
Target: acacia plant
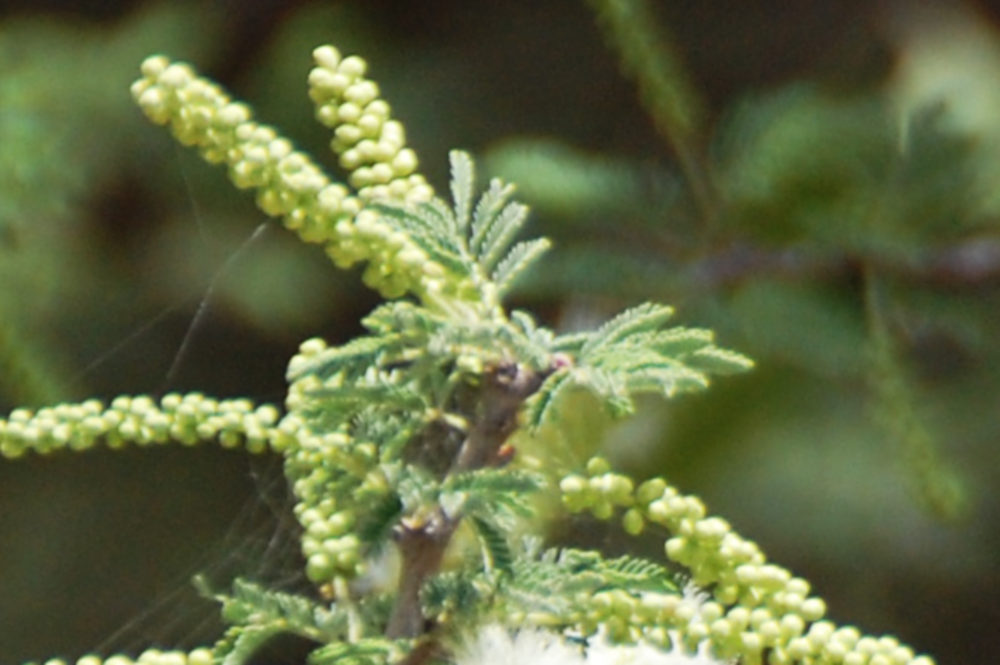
429	447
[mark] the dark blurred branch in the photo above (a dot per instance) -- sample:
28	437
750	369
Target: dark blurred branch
968	263
971	262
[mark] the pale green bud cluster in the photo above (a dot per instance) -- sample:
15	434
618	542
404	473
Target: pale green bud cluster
626	617
372	148
308	351
396	264
599	493
289	184
322	468
299	391
329	546
148	657
616	614
188	419
330	475
756	606
370	144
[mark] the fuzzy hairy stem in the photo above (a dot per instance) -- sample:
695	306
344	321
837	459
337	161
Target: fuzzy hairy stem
422	543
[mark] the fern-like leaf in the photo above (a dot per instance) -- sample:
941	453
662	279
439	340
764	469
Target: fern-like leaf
497	554
335	404
251	599
493	480
668	378
454	591
648	316
632	354
718	361
376	522
635	574
496	495
463	182
488	207
571	342
542	403
402	317
678	342
557	580
368	651
520	256
500	233
360	352
427	225
248	641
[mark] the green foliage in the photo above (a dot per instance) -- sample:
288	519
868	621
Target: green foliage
561	576
402	442
52	155
554	587
252	604
370	651
937	485
784	206
410	401
474	241
630	355
403	431
72	240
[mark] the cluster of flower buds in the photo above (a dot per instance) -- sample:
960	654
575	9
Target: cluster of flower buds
322	470
288	184
188	419
148	657
370	144
756	607
630	618
600	492
328	543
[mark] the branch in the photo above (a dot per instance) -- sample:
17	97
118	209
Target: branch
422	542
970	262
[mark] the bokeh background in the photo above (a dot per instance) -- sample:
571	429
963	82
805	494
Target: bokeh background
843	230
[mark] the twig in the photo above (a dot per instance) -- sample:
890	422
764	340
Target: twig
422	542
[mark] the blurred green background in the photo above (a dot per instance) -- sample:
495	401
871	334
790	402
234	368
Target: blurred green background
844	232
